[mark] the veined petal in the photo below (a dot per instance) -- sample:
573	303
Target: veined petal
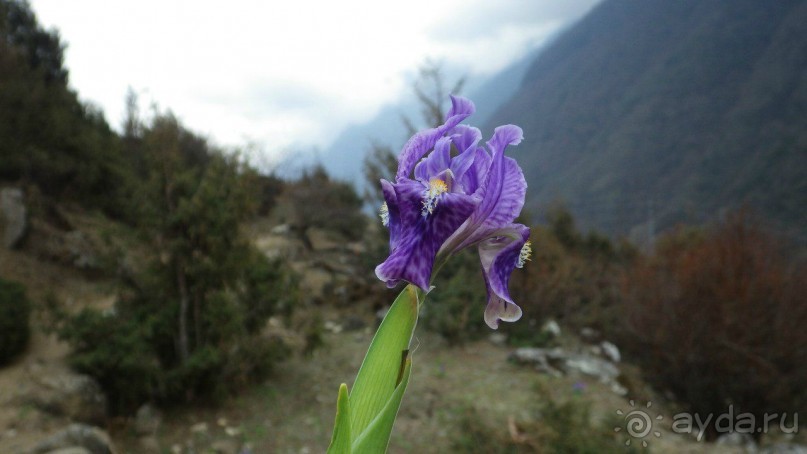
500	254
460	106
412	256
502	191
436	162
420	144
393	213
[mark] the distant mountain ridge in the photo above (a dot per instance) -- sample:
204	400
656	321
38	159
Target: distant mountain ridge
650	112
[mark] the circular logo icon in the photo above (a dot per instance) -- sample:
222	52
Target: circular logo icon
638	423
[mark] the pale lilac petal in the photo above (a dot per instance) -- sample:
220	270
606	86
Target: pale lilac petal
436	162
499	256
412	257
499	310
422	142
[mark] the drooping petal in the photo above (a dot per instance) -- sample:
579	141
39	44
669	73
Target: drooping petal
393	213
499	255
422	142
412	257
499	310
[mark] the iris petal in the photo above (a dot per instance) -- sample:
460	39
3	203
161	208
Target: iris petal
436	162
422	142
499	256
412	256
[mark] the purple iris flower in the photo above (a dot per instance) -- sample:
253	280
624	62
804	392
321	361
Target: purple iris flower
451	193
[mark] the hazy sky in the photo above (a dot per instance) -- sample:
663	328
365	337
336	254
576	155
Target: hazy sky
284	74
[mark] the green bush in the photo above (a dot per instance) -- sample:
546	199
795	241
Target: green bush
455	308
15	312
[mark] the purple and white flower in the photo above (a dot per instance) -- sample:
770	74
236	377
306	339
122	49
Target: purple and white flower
450	193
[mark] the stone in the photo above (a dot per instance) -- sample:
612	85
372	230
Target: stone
91	439
62	392
736	439
545	360
552	328
604	370
147	420
81	251
610	351
13	217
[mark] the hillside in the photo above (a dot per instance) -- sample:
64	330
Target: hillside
647	113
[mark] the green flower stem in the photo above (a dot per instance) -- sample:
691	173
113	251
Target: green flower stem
367	415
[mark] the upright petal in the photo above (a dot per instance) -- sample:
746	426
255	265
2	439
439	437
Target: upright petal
499	256
502	191
423	141
412	256
436	162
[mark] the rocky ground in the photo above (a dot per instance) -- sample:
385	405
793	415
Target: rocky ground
45	407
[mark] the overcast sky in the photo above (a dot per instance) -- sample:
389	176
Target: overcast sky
286	74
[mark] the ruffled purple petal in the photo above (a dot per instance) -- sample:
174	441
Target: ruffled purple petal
412	256
436	162
502	191
460	106
499	256
423	141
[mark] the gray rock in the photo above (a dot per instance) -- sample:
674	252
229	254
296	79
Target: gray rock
147	420
604	370
81	250
736	439
552	328
92	439
610	351
545	360
62	392
13	217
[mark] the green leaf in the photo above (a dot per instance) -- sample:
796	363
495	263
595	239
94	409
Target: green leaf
381	371
342	437
375	437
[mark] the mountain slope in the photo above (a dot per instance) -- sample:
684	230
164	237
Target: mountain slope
650	112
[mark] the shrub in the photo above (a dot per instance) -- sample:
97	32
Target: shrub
15	312
455	308
717	316
572	278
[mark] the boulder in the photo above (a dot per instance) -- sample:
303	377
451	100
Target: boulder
77	437
62	392
147	420
13	217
